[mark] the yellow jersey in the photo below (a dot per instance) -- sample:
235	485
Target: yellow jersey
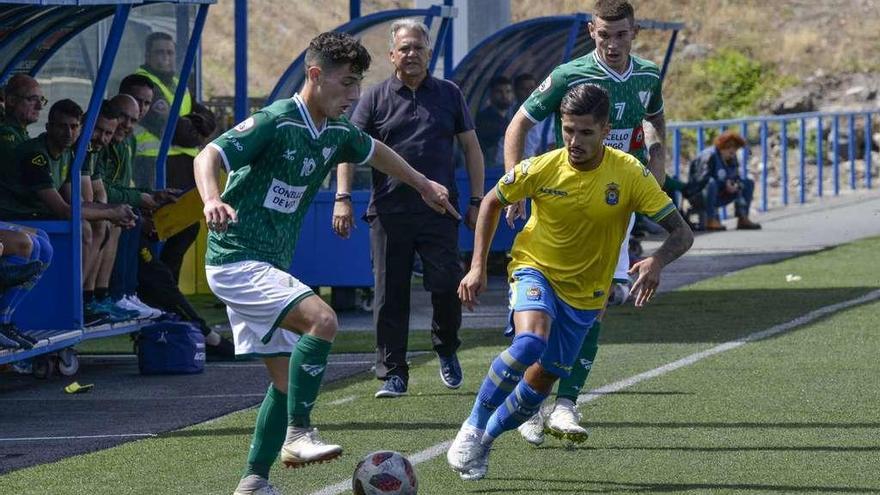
579	219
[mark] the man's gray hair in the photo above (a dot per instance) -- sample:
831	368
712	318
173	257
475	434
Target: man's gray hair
411	24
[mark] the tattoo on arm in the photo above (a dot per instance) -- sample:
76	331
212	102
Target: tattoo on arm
679	241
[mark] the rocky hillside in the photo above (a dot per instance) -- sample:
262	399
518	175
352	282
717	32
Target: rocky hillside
812	53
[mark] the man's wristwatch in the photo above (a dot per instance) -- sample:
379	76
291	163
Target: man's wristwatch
475	200
343	197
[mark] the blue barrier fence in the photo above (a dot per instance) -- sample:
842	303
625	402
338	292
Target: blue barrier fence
818	136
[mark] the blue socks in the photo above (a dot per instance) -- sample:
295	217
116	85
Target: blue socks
42	251
505	372
521	405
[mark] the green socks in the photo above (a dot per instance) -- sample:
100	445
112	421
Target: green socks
570	388
269	433
307	364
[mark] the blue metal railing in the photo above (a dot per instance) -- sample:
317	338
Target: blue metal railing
688	138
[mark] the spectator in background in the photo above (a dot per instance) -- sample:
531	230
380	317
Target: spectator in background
714	181
538	140
25	255
492	121
160	64
420	117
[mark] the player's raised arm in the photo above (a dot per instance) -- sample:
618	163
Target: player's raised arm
206	167
435	195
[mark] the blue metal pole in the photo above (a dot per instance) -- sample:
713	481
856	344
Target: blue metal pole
835	135
783	136
676	160
764	165
448	48
573	31
868	150
241	60
851	149
173	114
110	49
802	142
354	9
820	152
744	131
700	139
668	57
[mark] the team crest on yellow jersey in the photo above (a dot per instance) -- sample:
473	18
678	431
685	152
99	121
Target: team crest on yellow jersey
612	194
509	177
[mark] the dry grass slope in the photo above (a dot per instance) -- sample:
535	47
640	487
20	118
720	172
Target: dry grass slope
796	37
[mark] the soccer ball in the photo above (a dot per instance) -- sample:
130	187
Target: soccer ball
384	473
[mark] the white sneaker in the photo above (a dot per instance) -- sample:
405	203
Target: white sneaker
127	304
137	303
465	448
478	467
255	485
306	448
563	422
533	429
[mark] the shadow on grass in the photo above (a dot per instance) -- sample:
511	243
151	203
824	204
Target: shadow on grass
696	316
347	426
549	485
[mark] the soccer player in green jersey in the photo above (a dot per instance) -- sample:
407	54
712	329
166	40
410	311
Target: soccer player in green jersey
277	160
634	87
583	196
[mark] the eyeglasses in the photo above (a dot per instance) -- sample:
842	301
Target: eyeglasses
35	98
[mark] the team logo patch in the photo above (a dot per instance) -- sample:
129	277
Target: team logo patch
245	124
533	293
545	84
612	194
39	161
313	369
509	177
327	153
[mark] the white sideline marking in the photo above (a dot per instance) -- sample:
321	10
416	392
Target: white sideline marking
80	437
342	400
595	394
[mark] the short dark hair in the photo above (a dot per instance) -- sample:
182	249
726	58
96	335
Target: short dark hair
132	81
66	107
586	99
154	37
522	77
499	81
614	10
332	49
108	111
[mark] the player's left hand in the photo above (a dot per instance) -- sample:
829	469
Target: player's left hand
648	271
437	197
343	219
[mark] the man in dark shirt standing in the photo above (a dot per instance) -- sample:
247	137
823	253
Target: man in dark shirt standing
419	117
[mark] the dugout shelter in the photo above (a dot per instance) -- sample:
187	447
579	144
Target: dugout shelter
81	49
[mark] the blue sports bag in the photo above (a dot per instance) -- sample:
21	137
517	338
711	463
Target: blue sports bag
170	347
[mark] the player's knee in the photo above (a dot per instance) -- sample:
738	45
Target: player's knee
324	324
19	244
87	234
527	348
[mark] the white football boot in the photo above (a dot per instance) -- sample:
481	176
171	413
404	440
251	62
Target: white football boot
564	422
303	447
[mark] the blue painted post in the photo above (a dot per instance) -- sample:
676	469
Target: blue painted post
448	48
820	157
241	61
835	135
868	150
354	9
700	139
851	148
110	49
764	171
802	138
783	137
173	113
744	131
668	57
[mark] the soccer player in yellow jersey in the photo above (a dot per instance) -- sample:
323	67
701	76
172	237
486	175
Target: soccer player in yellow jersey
563	261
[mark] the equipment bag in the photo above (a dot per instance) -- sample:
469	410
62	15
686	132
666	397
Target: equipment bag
170	347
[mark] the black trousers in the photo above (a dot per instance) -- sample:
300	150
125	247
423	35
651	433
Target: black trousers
176	247
394	239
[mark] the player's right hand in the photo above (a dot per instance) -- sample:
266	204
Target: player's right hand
472	285
437	197
514	211
219	215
